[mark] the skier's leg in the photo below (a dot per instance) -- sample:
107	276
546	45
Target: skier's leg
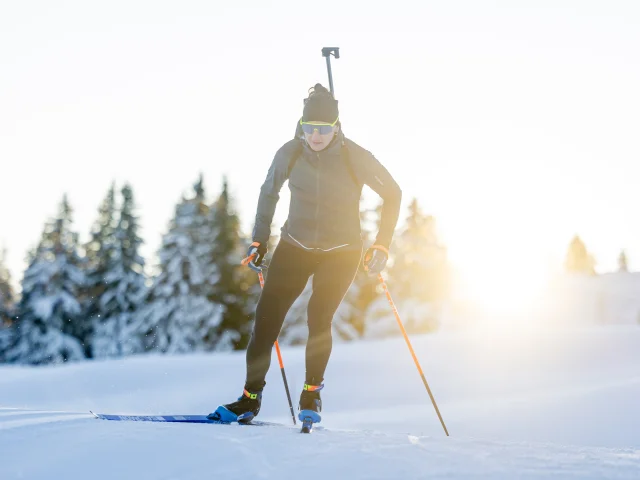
331	280
286	278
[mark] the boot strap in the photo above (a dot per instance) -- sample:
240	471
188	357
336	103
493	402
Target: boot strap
250	395
312	388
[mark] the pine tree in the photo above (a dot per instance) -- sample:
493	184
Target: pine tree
7	296
419	275
623	265
121	331
178	308
49	327
347	316
7	299
294	329
232	290
100	255
350	319
365	286
578	259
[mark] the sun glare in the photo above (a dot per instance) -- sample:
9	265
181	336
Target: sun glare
500	290
497	245
496	286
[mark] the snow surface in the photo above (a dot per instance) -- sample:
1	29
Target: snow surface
518	403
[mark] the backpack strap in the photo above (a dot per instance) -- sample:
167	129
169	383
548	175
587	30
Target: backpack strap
294	157
346	157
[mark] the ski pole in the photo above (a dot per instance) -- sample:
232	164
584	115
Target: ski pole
326	52
245	261
413	354
284	376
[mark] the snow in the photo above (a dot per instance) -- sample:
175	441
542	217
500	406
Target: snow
519	402
609	298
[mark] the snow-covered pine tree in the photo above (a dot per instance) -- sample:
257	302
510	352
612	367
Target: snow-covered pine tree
121	331
100	255
7	300
578	259
178	308
294	329
364	288
418	279
232	290
49	324
343	326
7	296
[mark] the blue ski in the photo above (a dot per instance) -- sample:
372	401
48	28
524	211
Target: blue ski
307	426
308	418
175	419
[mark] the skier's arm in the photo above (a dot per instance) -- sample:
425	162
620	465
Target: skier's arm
376	176
270	194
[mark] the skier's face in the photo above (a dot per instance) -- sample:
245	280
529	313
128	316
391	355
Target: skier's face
319	142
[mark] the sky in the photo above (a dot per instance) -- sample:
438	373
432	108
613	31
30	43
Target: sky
514	123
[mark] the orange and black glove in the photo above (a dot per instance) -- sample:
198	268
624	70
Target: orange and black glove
375	259
255	255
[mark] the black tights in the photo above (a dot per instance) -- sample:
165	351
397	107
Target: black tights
288	273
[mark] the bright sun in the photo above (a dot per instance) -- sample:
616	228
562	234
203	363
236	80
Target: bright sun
496	244
496	284
499	290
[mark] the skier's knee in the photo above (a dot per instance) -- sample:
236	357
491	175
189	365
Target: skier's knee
319	330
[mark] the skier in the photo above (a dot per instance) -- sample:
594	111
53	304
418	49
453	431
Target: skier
321	237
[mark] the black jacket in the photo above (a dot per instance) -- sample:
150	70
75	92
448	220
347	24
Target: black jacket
324	212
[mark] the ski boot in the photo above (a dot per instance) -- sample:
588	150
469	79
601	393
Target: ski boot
243	410
310	407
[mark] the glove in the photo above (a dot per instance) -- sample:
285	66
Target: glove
375	259
255	255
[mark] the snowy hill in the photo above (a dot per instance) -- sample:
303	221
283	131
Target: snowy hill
518	404
610	298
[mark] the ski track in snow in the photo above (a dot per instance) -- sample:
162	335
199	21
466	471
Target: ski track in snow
495	403
170	451
39	420
516	417
11	412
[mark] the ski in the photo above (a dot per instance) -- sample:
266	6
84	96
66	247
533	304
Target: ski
177	419
307	425
308	419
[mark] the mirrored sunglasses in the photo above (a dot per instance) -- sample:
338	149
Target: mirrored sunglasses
321	127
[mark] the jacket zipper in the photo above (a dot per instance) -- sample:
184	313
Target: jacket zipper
317	198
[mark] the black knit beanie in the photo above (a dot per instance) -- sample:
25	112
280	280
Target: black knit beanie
320	106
